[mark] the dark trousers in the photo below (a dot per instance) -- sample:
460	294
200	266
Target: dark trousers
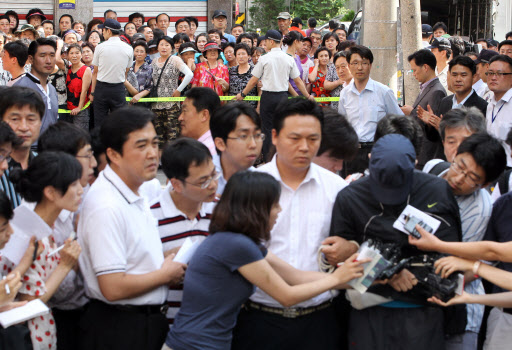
16	337
268	103
107	98
360	162
68	328
258	330
381	328
106	327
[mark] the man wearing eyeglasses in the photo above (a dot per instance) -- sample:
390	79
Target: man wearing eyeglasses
479	161
364	102
499	110
199	105
184	208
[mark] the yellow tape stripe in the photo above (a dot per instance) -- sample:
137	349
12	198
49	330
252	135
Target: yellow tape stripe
222	98
68	111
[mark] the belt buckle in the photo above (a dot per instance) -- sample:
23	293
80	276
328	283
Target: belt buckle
164	308
290	312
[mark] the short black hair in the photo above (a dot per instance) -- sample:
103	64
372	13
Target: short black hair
338	136
141	43
158	33
501	58
167	39
19	50
107	11
504	42
169	18
70	17
330	35
333	24
463	61
116	129
223	121
487	152
94	31
440	25
15	15
243	47
7	135
34	10
179	155
98	148
402	125
422	57
320	49
238	25
296	106
92	23
193	19
345	45
508	36
20	96
181	37
6	210
245	205
136	15
34	45
5	17
141	28
470	118
204	98
63	136
362	51
224	46
181	20
312	22
244	36
56	169
340	28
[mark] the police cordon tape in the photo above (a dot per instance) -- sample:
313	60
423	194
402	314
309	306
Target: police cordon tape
222	98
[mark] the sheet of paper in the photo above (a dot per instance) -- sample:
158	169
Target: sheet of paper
413	212
187	250
23	313
16	247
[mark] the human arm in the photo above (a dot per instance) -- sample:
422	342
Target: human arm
189	75
86	83
331	85
497	299
290	274
292	91
250	85
302	88
406	109
58	58
94	80
131	89
138	96
13	282
336	249
313	71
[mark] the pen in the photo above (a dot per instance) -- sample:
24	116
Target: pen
7	289
36	245
59	248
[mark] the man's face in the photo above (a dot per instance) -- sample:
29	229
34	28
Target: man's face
163	23
111	15
462	79
283	25
439	32
70	39
419	72
506	50
240	153
360	67
298	141
440	55
481	69
86	158
4	25
465	176
237	31
5	153
28	34
183	27
341	35
326	161
44	60
317	39
152	23
48	29
148	34
64	24
191	120
6	61
497	84
137	21
453	137
25	122
220	23
306	47
246	41
215	37
483	43
35	20
139	161
198	175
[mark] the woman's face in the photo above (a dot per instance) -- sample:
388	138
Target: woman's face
94	39
274	213
341	65
201	41
229	53
177	45
139	53
79	28
70	39
241	56
164	48
306	47
212	54
87	55
215	37
187	56
323	57
331	44
5	232
74	55
193	28
12	22
256	56
72	198
246	41
130	29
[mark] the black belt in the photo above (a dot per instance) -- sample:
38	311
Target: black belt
139	309
507	311
287	312
113	84
366	144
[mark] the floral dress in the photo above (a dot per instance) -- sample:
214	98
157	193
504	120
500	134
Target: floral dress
206	77
317	86
238	81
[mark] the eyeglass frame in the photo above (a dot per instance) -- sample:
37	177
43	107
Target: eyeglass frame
457	168
362	64
497	74
207	182
248	137
88	156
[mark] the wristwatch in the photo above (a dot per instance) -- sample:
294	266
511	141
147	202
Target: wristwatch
242	94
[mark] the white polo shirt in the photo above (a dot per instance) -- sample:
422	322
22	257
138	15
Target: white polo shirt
275	69
117	233
499	120
112	58
303	223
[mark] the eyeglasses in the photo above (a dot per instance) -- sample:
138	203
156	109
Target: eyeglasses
356	64
6	157
247	138
496	74
206	182
467	178
88	156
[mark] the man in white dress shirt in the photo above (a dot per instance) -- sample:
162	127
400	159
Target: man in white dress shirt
307	196
364	102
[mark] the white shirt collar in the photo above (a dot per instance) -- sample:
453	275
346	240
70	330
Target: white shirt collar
312	174
112	177
456	105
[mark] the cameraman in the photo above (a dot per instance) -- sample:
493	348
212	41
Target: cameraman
367	209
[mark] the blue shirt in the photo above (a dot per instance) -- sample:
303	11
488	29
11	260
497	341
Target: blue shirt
230	38
213	292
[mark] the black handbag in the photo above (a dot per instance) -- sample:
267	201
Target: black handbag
154	89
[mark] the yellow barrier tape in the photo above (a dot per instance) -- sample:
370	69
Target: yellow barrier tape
68	111
222	98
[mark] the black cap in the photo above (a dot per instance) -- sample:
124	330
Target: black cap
273	35
219	13
110	24
138	36
485	56
297	20
440	43
392	169
492	43
426	29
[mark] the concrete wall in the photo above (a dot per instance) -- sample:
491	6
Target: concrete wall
83	12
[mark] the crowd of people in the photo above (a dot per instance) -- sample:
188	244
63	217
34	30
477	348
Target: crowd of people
277	192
